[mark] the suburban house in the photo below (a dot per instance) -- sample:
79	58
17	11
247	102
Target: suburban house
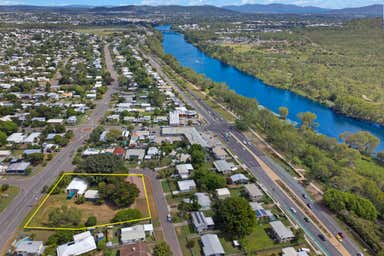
254	192
18	168
183	170
200	222
219	153
223	166
281	232
135	154
212	245
239	178
119	151
203	200
83	243
223	193
132	234
26	247
186	185
76	187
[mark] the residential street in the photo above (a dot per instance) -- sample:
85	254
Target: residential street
162	207
30	187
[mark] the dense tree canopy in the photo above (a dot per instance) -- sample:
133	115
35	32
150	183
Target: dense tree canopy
208	180
236	216
118	192
103	163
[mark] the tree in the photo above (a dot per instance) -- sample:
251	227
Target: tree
65	216
208	180
242	124
338	201
363	141
4	187
380	157
118	192
91	221
103	163
307	119
197	154
127	214
191	243
3	138
35	158
162	249
283	112
236	216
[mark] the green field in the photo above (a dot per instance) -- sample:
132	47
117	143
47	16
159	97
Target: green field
7	196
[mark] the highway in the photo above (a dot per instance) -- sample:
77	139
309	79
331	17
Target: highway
251	156
30	187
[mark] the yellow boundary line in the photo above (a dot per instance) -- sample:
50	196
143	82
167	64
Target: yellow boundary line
26	225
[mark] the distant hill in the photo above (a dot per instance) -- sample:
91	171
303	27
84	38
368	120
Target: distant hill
203	10
371	10
275	8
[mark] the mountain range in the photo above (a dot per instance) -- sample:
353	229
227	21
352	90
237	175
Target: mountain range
371	10
208	10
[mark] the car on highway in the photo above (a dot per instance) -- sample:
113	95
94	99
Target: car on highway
309	205
293	210
359	254
304	196
340	234
322	237
306	219
338	237
169	218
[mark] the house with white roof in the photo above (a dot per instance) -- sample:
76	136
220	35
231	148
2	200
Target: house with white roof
186	185
132	234
26	247
83	243
77	186
184	170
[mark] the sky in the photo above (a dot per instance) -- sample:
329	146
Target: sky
320	3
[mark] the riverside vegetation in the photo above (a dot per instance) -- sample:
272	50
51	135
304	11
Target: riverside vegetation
336	66
351	176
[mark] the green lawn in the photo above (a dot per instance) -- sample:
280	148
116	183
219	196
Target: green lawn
7	196
258	239
184	234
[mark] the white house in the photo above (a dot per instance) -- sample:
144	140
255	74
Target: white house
186	185
78	186
83	243
132	234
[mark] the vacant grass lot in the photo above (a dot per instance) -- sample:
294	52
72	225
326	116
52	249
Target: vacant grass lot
7	196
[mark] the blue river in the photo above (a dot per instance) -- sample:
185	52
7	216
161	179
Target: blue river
330	123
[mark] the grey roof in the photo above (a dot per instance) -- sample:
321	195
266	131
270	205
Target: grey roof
133	233
20	166
192	135
223	166
281	230
30	247
203	200
253	190
201	222
211	245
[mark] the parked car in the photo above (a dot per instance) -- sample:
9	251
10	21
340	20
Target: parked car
169	218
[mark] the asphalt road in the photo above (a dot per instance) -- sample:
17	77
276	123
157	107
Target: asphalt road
245	154
30	188
162	207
